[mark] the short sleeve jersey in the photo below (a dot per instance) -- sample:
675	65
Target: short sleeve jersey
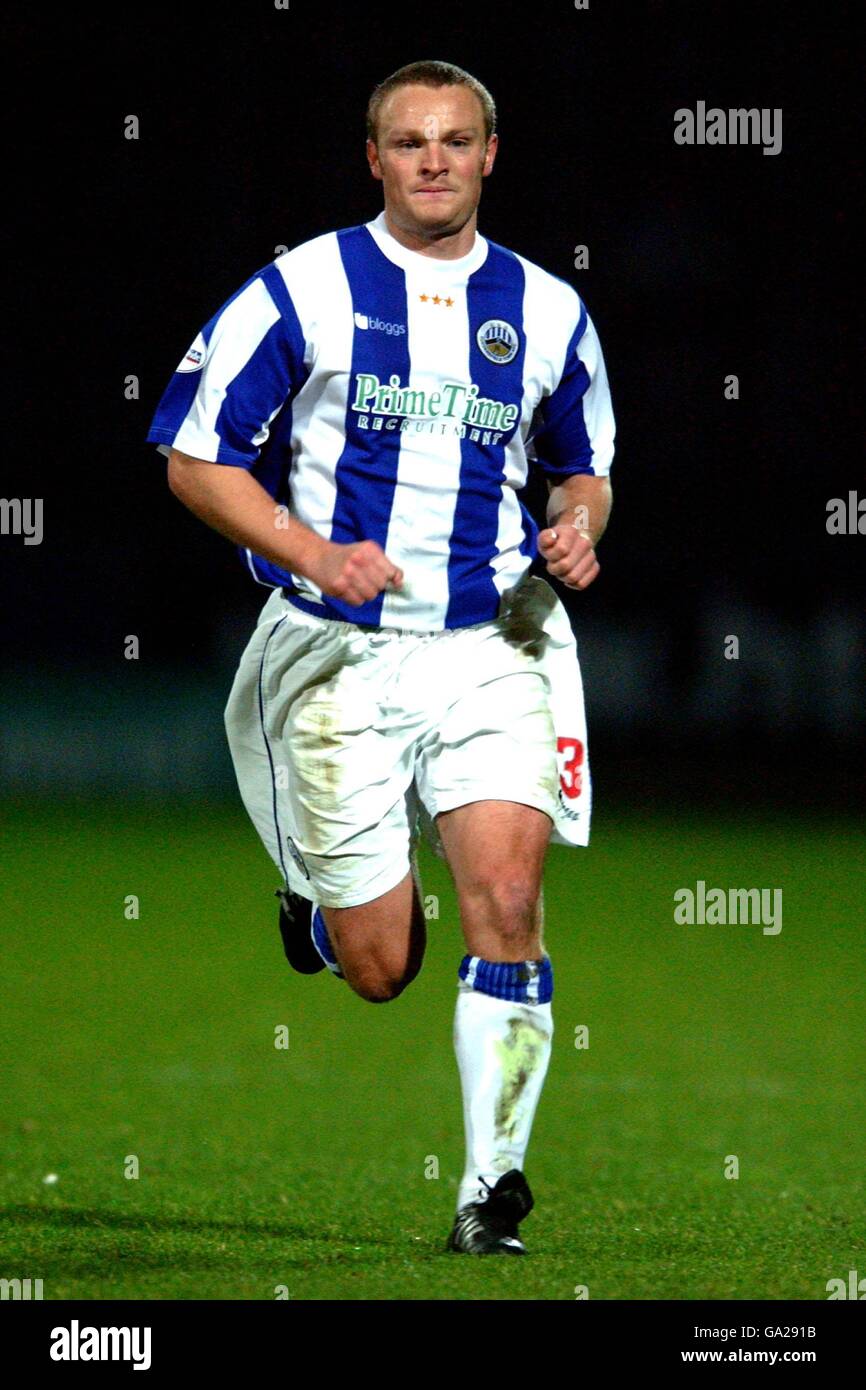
379	394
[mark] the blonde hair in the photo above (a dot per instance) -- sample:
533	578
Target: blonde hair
430	73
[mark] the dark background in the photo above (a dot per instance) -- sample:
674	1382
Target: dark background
703	261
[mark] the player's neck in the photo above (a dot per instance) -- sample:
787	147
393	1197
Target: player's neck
451	247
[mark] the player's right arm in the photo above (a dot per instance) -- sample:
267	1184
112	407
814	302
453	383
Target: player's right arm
249	360
234	503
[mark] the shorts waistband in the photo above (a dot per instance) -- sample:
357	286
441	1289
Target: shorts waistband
308	608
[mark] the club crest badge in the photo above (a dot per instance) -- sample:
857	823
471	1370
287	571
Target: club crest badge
498	341
297	856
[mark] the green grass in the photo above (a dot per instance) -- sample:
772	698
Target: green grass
305	1167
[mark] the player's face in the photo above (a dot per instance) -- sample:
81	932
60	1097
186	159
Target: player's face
431	156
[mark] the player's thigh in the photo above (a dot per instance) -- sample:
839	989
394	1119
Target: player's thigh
490	843
495	743
490	778
496	850
347	775
348	750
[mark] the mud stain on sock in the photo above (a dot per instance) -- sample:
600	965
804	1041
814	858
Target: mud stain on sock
519	1052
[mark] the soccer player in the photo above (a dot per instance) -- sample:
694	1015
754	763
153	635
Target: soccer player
359	418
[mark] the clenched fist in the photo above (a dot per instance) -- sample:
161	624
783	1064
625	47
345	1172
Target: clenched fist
569	554
355	573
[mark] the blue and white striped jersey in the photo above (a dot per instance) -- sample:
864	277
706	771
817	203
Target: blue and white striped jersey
379	394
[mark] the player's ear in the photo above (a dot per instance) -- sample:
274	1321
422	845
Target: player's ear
373	159
490	155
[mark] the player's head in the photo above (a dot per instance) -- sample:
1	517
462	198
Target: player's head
431	126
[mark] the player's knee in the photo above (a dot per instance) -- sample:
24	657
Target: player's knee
378	988
378	981
509	900
380	968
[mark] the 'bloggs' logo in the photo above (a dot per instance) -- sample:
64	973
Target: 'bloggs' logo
380	326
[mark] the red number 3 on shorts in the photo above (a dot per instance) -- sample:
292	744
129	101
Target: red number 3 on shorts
570	759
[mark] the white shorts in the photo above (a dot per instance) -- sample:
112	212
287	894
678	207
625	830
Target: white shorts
341	737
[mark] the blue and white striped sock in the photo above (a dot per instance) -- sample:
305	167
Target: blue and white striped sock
521	982
503	1029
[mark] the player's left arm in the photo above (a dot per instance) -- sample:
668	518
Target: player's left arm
578	509
574	444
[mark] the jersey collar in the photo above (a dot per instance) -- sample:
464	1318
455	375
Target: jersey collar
413	260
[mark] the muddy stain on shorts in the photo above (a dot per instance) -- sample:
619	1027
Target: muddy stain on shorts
522	612
327	723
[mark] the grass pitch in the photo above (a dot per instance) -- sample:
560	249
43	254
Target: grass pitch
304	1167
